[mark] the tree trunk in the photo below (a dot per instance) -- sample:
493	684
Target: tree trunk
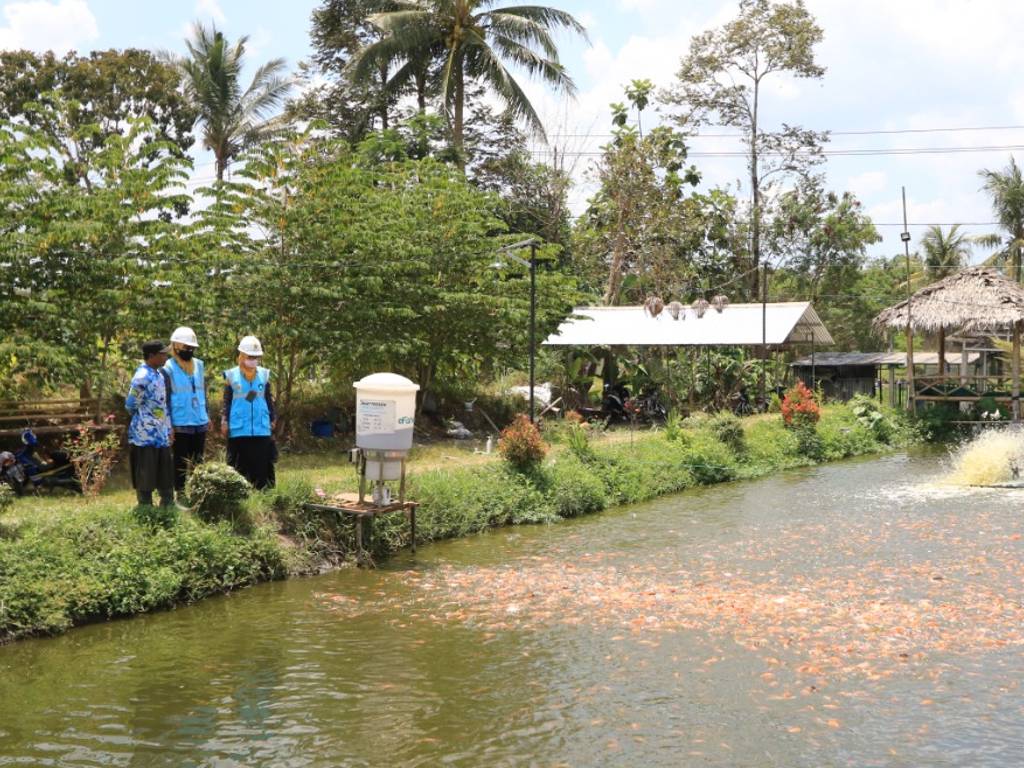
421	91
457	124
384	105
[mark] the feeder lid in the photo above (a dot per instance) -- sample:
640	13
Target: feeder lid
389	382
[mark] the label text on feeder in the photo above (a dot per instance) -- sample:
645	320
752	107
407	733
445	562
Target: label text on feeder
376	417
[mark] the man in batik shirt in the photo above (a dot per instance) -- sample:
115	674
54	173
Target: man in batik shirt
149	433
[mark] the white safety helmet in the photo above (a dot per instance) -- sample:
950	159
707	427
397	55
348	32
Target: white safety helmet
184	335
251	346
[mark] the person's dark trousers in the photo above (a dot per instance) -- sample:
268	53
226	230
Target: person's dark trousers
152	469
189	448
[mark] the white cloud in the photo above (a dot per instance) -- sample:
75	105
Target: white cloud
210	9
40	25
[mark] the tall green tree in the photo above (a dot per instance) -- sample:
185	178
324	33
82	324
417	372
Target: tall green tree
944	252
232	118
721	80
349	260
340	29
821	236
103	91
1006	188
477	43
634	228
85	263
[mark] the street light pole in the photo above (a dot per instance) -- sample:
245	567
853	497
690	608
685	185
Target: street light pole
532	265
533	323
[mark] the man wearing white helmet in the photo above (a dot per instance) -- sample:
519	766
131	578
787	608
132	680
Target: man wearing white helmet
189	416
248	417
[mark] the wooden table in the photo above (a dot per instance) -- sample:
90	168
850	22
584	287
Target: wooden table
348	504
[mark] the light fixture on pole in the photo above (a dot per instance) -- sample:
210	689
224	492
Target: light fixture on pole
507	251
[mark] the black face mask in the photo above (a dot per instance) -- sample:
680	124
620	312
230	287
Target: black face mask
186	354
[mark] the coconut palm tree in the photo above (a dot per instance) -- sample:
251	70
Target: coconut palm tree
232	118
944	253
472	41
1007	190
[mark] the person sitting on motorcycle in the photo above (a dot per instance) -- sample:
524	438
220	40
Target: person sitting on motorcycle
12	473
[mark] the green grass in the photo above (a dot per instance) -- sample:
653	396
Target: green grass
68	560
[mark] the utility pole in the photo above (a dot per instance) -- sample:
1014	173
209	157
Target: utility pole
905	237
533	323
764	333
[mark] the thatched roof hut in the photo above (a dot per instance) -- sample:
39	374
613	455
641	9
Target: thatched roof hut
973	299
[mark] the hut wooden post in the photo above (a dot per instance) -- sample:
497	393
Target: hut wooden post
942	355
910	365
1016	371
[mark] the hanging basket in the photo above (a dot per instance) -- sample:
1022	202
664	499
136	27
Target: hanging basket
720	302
676	310
653	305
700	306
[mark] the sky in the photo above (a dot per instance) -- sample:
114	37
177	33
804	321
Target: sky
911	75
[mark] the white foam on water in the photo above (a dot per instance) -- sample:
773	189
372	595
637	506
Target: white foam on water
995	456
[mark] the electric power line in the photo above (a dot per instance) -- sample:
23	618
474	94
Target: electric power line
875	132
861	152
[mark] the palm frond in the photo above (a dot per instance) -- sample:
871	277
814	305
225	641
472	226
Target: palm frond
526	31
550	18
550	71
484	64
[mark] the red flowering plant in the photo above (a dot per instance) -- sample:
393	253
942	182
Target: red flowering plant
800	407
521	444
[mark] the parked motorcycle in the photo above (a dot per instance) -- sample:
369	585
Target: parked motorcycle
56	471
647	407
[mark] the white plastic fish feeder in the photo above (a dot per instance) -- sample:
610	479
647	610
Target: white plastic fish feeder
385	417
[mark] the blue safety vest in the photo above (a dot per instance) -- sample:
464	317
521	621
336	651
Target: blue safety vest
188	395
250	415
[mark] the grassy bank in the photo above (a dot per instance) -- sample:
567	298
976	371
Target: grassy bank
66	561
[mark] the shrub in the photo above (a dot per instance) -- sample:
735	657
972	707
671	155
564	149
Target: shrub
774	403
521	444
709	460
460	502
673	426
936	422
800	406
162	516
579	443
988	409
809	442
217	492
107	565
573	489
869	414
7	497
574	417
93	457
727	428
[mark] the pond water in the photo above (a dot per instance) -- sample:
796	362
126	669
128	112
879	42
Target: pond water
846	615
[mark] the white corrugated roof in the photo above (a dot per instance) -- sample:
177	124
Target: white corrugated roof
826	359
736	325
